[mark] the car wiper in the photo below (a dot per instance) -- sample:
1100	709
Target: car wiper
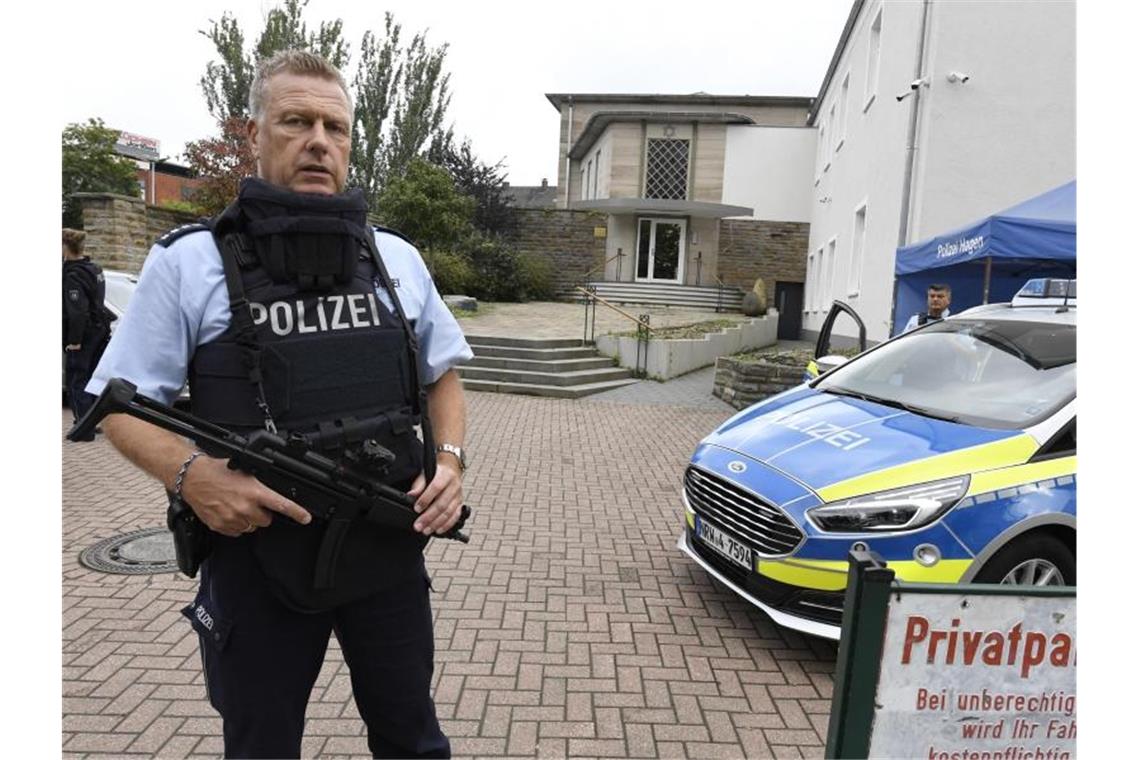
925	412
848	393
891	403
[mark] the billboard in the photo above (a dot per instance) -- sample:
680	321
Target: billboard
137	146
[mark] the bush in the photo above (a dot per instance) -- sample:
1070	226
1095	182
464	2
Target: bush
451	271
495	267
536	278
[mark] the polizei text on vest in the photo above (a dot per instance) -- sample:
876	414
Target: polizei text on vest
327	313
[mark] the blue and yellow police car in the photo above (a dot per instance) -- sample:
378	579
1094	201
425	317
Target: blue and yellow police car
949	450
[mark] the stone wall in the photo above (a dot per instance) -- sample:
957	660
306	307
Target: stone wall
565	239
742	384
120	229
751	248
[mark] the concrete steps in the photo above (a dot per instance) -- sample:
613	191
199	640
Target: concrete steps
657	294
553	367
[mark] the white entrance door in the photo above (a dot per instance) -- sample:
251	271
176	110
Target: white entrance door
660	250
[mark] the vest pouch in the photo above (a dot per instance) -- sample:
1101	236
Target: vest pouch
331	376
220	388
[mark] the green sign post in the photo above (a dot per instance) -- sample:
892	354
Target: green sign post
953	671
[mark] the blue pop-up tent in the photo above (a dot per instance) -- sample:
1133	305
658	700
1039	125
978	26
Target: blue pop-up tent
989	260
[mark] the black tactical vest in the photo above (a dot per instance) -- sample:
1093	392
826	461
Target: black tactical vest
328	359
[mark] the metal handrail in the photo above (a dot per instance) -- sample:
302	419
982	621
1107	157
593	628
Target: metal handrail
609	305
720	286
586	277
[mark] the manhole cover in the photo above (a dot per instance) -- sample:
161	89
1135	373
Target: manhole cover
139	553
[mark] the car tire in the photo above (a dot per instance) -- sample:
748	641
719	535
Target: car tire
1027	561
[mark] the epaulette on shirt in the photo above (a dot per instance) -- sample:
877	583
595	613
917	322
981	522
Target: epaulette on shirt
178	232
391	231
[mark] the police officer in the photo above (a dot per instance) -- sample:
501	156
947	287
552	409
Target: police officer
937	307
289	313
86	321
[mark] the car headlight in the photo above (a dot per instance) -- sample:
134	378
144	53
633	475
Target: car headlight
898	509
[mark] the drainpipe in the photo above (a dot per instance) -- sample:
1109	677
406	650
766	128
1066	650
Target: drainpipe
569	128
912	129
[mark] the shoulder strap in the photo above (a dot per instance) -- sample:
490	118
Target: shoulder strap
182	231
230	247
413	346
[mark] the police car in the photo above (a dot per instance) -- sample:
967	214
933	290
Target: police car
949	450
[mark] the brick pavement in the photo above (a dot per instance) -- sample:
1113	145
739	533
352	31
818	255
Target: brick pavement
569	626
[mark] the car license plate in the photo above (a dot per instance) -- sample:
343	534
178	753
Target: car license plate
724	544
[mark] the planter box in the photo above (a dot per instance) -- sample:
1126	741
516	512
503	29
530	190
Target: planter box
670	358
742	384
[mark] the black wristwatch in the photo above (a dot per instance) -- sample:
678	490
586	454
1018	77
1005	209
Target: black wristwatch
455	451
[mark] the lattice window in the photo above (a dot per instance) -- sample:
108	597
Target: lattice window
667	169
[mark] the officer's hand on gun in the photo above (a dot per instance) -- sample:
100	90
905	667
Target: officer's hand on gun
439	504
232	502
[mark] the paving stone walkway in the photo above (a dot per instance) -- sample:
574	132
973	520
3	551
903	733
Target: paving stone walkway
569	626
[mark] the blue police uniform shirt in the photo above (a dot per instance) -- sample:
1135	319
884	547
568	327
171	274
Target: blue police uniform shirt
912	323
181	302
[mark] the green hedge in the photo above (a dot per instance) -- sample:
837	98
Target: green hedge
489	269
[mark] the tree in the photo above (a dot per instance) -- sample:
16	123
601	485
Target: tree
424	205
221	162
485	183
226	83
374	83
420	110
90	165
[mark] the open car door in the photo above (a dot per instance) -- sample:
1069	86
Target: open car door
824	359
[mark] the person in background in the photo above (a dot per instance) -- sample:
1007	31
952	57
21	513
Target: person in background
937	307
86	321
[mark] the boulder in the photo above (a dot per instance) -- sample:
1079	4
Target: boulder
751	305
761	291
462	303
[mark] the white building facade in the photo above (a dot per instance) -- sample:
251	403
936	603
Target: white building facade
933	113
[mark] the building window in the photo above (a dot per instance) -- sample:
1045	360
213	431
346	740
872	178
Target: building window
858	243
874	42
597	171
810	287
828	275
667	169
582	183
834	131
822	161
841	125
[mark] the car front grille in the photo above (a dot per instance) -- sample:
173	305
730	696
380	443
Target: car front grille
769	531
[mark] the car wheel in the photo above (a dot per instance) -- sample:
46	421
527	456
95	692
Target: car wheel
1038	559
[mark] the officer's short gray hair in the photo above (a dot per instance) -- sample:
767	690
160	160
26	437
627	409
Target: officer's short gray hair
301	62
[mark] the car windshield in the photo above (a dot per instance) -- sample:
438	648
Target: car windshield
988	373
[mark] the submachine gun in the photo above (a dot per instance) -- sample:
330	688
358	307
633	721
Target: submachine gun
339	491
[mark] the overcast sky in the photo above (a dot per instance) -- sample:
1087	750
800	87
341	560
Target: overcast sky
136	64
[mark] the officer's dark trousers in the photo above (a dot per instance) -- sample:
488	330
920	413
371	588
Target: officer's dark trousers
78	368
261	660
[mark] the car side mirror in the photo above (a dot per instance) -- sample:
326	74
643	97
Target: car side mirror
830	362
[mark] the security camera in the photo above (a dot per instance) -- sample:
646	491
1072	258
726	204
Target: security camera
922	82
957	76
